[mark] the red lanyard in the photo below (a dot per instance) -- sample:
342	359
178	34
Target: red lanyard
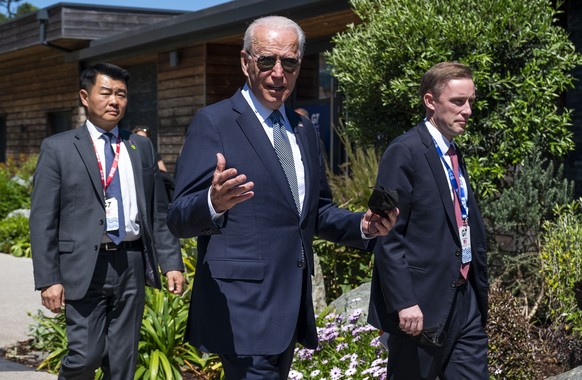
113	166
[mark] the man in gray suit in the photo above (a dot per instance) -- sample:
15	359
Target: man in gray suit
98	231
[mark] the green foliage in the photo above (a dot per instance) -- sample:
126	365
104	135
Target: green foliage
162	353
521	60
515	220
345	268
15	236
14	194
49	335
348	348
561	256
8	12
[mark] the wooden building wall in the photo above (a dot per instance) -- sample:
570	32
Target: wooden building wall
204	74
39	82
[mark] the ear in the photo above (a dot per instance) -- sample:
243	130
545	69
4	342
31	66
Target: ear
429	100
244	62
84	95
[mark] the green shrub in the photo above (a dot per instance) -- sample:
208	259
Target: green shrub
521	59
15	236
16	184
514	223
561	256
345	268
514	352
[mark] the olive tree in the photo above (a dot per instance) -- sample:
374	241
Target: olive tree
521	61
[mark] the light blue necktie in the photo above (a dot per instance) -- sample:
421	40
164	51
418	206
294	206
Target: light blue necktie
114	189
285	155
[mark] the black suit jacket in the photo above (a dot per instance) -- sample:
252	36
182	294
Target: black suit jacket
420	258
247	295
67	219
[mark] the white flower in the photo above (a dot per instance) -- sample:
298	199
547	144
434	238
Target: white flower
315	373
295	375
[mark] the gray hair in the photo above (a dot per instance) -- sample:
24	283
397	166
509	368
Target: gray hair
273	22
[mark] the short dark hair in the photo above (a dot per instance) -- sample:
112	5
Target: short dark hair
437	77
89	75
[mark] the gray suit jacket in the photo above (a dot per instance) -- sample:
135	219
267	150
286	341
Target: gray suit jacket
67	219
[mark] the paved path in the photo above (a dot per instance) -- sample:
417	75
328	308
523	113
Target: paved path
17	298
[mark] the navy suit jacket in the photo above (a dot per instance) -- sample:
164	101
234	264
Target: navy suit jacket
247	295
67	218
416	263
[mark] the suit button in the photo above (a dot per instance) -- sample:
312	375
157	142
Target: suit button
454	284
300	263
101	222
458	252
96	247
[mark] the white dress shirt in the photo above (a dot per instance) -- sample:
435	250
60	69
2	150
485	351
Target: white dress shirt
126	180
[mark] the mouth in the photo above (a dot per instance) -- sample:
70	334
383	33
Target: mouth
276	89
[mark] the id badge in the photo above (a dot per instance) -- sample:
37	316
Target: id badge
465	234
111	214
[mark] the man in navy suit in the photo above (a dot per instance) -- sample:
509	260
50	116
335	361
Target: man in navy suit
255	210
429	285
95	248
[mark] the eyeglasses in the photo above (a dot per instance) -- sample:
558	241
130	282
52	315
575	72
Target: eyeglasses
266	63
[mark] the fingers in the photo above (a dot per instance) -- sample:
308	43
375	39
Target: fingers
375	225
411	320
53	298
175	282
228	187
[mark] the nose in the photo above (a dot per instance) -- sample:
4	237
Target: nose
278	69
467	109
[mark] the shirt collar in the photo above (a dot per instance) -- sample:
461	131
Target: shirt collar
259	109
437	136
96	132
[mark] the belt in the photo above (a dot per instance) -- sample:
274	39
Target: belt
131	245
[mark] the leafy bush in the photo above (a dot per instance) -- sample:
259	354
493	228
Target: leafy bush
561	257
514	352
522	62
16	184
15	236
49	335
514	223
345	268
347	349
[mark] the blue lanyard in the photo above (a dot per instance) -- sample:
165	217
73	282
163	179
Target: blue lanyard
459	190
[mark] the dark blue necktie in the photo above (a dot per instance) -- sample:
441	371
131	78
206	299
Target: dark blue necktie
114	190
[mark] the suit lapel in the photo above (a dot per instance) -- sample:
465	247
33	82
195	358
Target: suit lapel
134	156
438	173
86	150
257	138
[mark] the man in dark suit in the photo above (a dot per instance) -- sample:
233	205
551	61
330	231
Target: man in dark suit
429	286
98	231
255	218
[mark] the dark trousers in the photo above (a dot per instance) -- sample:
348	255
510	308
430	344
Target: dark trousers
266	367
258	367
103	327
463	354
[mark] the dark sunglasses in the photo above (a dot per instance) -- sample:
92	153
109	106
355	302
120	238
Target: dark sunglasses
266	63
